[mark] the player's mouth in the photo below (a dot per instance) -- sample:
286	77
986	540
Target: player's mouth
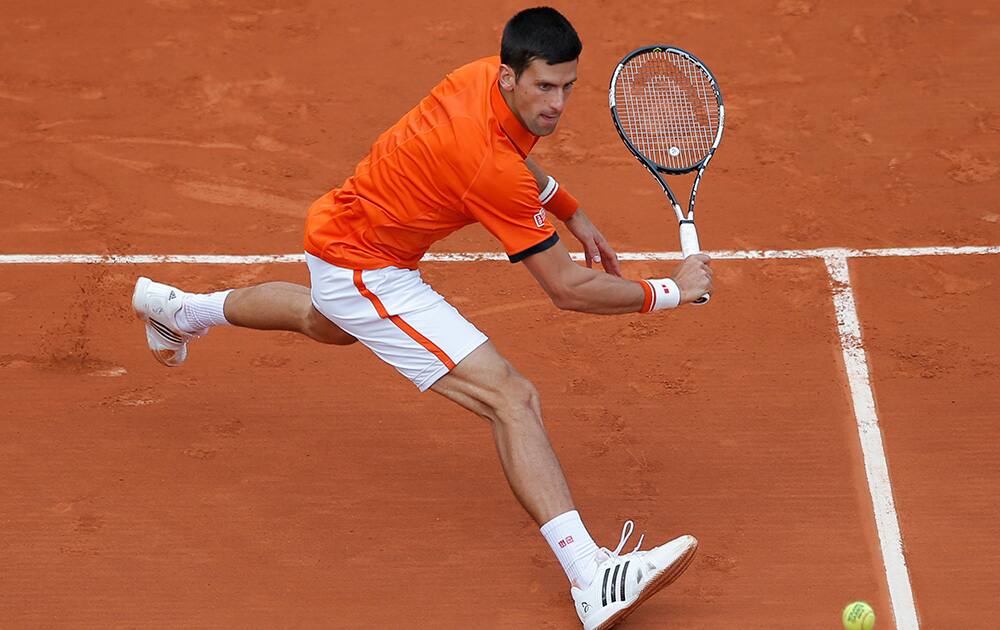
551	120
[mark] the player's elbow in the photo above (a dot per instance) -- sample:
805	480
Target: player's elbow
566	299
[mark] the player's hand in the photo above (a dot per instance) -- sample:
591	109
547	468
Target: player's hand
595	247
694	277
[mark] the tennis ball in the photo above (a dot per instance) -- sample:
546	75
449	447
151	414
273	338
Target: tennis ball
858	616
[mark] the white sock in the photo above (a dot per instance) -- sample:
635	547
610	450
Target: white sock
201	311
573	546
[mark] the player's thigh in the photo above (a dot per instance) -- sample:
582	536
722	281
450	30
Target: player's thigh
397	316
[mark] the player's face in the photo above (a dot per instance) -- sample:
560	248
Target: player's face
538	97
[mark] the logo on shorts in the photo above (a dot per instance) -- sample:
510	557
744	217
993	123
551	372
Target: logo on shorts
540	218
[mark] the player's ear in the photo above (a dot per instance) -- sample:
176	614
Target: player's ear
507	77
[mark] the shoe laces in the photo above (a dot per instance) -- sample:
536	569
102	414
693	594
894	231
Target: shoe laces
627	530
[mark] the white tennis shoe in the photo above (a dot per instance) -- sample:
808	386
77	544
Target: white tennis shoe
157	305
623	582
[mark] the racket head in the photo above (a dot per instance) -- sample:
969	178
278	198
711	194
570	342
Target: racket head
667	108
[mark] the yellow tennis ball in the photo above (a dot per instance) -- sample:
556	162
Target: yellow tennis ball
858	616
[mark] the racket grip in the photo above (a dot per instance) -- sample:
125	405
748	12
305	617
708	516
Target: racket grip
689	239
689	246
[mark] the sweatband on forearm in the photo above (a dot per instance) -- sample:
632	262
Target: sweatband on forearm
659	293
557	201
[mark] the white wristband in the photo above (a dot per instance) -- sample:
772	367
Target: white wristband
660	293
549	191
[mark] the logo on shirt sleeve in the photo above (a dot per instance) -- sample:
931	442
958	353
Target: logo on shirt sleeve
540	217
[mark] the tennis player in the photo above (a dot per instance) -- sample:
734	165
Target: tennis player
459	157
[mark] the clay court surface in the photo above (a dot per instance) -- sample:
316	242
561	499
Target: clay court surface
275	483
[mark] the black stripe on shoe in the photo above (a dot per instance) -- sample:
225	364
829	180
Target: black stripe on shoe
614	583
604	593
167	334
624	573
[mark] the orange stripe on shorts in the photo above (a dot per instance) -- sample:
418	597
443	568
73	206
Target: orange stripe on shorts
410	331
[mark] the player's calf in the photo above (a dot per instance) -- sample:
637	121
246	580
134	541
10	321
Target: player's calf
282	306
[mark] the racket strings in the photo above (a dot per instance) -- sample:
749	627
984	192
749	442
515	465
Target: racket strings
667	108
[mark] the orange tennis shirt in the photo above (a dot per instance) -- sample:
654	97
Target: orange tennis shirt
454	159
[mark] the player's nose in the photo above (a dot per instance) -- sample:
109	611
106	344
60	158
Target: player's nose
558	102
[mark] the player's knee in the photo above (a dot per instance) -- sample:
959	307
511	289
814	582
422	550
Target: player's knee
330	334
339	338
518	400
321	329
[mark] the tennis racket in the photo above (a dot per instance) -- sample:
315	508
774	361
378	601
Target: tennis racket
668	110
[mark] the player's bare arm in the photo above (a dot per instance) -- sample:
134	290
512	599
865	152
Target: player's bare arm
576	288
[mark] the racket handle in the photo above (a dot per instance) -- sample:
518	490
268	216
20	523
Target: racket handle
689	239
689	246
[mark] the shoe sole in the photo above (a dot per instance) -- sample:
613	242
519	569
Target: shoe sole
663	579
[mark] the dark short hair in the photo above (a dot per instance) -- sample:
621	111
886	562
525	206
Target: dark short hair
538	33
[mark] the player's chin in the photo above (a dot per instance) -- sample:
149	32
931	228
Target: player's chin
546	125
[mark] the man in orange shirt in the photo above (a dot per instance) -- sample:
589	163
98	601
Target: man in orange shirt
459	157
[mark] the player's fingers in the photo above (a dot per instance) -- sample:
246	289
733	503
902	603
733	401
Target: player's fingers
612	266
593	254
610	259
693	263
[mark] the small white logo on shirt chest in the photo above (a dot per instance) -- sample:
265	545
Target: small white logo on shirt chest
540	218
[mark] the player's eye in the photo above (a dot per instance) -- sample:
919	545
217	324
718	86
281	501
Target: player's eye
545	87
569	86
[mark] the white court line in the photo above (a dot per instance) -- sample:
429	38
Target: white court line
260	259
848	325
876	466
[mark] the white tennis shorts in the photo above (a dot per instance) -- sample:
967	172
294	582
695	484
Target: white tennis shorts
397	315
